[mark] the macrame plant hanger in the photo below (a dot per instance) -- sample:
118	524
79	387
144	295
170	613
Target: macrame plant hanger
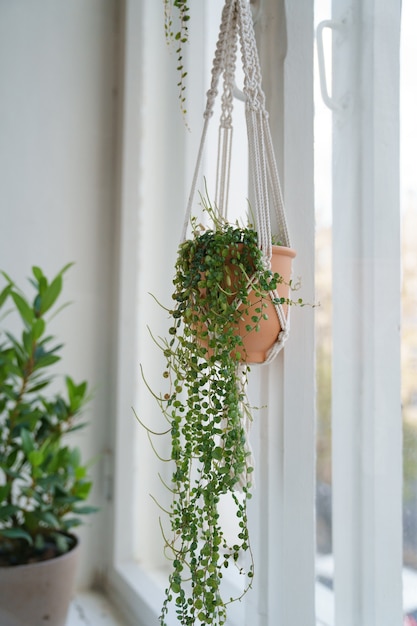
237	25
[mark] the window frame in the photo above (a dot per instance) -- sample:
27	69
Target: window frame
282	510
367	439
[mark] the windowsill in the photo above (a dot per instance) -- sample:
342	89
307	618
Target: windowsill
92	608
141	592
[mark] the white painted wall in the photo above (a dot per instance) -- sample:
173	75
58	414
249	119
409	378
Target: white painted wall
57	188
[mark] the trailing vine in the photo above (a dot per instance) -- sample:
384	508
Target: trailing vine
176	34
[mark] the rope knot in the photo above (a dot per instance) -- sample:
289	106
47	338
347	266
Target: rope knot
283	336
212	94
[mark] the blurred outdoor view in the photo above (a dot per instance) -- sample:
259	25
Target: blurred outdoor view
408	120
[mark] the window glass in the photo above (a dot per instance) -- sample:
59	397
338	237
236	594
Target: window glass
323	173
323	329
408	125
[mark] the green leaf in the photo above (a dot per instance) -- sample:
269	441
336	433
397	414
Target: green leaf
26	312
40	385
71	522
74	458
76	394
66	267
37	272
27	342
85	510
49	518
62	542
77	427
51	294
218	453
35	458
52	480
7	277
16	533
27	441
81	490
38	328
80	472
9	461
4	491
7	511
5	294
45	361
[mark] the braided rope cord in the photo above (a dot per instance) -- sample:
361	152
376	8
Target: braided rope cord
217	69
263	164
224	146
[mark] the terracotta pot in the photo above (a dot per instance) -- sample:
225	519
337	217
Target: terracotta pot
258	343
38	594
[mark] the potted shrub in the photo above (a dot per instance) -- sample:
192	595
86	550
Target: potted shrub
43	482
223	294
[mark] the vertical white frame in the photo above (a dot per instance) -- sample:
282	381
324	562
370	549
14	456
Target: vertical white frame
299	369
298	570
367	467
126	370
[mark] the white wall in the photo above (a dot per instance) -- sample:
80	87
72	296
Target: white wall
57	187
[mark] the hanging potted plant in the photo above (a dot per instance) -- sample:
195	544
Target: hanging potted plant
228	285
43	482
225	286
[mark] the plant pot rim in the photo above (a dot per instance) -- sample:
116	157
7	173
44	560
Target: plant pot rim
45	562
284	250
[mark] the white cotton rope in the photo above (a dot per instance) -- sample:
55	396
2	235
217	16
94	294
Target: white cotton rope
223	169
225	35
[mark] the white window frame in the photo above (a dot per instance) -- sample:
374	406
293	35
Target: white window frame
282	511
366	394
367	461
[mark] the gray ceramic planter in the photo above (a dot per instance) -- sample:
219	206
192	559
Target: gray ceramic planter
38	594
